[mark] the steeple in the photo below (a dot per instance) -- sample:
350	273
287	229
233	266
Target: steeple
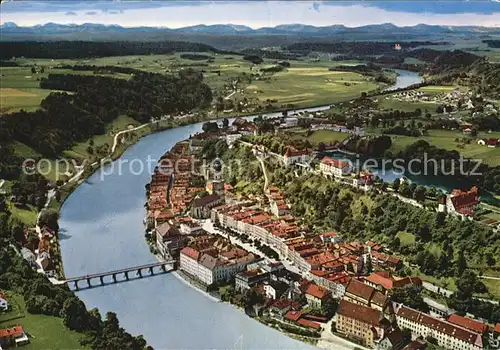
218	178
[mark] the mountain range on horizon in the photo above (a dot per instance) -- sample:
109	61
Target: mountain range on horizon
231	29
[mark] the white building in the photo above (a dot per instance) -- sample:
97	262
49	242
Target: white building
293	156
189	261
448	335
190	228
209	269
4	305
335	167
232	137
291	122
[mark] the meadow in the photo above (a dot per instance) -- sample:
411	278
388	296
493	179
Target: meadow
306	82
447	140
324	136
44	332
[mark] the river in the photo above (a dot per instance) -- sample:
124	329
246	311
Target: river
102	229
404	79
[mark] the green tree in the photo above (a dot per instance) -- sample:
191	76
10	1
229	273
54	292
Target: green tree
49	218
410	296
74	314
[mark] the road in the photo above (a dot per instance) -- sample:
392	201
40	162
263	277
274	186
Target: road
118	134
490	278
209	227
331	341
266	179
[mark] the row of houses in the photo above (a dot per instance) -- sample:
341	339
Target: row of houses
325	258
368	315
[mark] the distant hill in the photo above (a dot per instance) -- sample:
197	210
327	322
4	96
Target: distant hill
285	29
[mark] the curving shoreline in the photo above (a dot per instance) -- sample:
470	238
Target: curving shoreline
100	222
100	230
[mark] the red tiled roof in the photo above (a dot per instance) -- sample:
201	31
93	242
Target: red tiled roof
316	291
329	234
9	332
379	279
497	328
190	252
493	141
360	289
292	152
309	324
468	323
379	298
442	326
359	312
337	163
462	200
316	318
293	315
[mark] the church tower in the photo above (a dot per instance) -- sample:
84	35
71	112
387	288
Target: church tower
218	178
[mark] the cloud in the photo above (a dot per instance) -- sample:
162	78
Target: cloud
258	14
70	13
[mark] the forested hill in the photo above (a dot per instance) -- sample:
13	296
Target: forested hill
86	49
95	101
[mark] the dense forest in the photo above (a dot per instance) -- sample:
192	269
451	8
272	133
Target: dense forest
492	43
86	49
95	101
369	69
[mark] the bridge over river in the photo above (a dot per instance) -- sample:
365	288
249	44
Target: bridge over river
161	268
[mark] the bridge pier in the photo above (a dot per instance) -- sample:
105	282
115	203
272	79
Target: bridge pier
88	282
163	268
126	275
151	272
102	279
114	277
76	284
139	273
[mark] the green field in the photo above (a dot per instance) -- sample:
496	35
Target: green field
310	86
20	89
406	106
446	139
390	102
306	82
324	136
45	332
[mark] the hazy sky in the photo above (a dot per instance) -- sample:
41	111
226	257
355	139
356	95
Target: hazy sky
255	14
